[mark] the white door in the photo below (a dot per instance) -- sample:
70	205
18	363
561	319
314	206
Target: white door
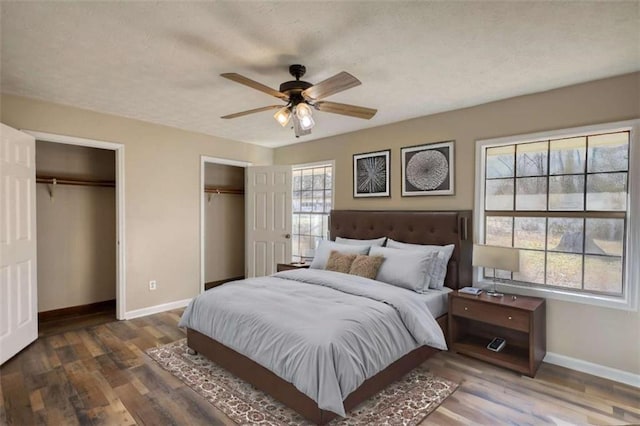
268	238
18	281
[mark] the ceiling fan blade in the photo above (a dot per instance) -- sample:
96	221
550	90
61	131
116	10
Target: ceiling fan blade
251	111
332	85
255	85
346	109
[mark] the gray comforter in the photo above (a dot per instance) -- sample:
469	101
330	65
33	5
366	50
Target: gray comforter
324	332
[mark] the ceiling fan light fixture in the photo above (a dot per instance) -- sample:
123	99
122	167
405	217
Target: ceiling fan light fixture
298	129
283	116
303	115
307	123
303	110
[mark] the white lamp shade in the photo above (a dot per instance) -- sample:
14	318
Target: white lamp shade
503	258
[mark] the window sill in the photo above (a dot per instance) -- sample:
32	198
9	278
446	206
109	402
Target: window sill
624	303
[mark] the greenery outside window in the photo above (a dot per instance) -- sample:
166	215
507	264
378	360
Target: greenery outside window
564	199
312	202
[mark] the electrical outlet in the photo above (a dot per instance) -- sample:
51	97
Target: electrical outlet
152	285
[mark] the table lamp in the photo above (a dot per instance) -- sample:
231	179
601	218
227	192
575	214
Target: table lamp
503	258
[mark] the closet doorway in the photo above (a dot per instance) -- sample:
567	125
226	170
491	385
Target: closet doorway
76	228
222	226
80	226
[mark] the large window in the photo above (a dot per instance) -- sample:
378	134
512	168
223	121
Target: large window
312	202
563	199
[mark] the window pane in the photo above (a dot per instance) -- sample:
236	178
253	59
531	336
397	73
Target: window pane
499	194
297	179
327	178
566	192
327	201
531	193
567	156
529	232
295	248
500	161
531	267
499	231
305	224
306	243
307	179
565	234
295	224
531	159
318	201
306	203
316	225
325	226
564	270
318	179
603	273
608	153
605	236
296	200
607	191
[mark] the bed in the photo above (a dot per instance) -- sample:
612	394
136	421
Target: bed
416	227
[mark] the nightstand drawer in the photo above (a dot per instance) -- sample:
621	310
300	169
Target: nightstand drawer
512	318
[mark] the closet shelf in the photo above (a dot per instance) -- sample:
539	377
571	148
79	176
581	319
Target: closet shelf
214	190
73	181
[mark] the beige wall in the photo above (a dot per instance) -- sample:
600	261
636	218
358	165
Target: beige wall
59	159
604	336
162	190
76	227
224	224
76	246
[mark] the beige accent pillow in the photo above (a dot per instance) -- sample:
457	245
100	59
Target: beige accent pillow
366	266
340	262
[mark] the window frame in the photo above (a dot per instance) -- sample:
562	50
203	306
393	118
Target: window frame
631	290
325	163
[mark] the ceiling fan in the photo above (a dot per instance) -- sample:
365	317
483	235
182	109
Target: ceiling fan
301	96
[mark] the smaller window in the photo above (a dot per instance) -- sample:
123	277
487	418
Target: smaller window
312	201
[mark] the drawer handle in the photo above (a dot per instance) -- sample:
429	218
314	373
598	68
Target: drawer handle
466	309
509	317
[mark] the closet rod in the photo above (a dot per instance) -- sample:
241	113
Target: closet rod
73	181
212	190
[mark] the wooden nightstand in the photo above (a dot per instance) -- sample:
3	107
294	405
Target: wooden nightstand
475	320
288	266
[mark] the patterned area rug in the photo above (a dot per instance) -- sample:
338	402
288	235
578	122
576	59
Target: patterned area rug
405	402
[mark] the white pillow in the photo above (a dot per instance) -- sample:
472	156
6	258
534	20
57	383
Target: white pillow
404	268
375	242
324	251
439	268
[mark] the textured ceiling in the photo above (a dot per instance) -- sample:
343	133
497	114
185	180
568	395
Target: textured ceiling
160	61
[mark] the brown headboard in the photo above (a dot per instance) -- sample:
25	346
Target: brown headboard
416	227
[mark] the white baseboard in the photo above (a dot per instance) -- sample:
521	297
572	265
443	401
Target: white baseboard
143	312
594	369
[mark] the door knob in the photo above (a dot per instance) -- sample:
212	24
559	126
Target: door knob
287	236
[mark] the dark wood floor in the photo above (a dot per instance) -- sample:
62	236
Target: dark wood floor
94	371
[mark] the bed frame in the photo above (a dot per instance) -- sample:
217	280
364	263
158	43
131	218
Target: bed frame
417	227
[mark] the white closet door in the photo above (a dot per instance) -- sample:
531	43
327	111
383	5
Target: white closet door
18	268
268	207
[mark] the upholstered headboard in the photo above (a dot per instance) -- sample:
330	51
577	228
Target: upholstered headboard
416	227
